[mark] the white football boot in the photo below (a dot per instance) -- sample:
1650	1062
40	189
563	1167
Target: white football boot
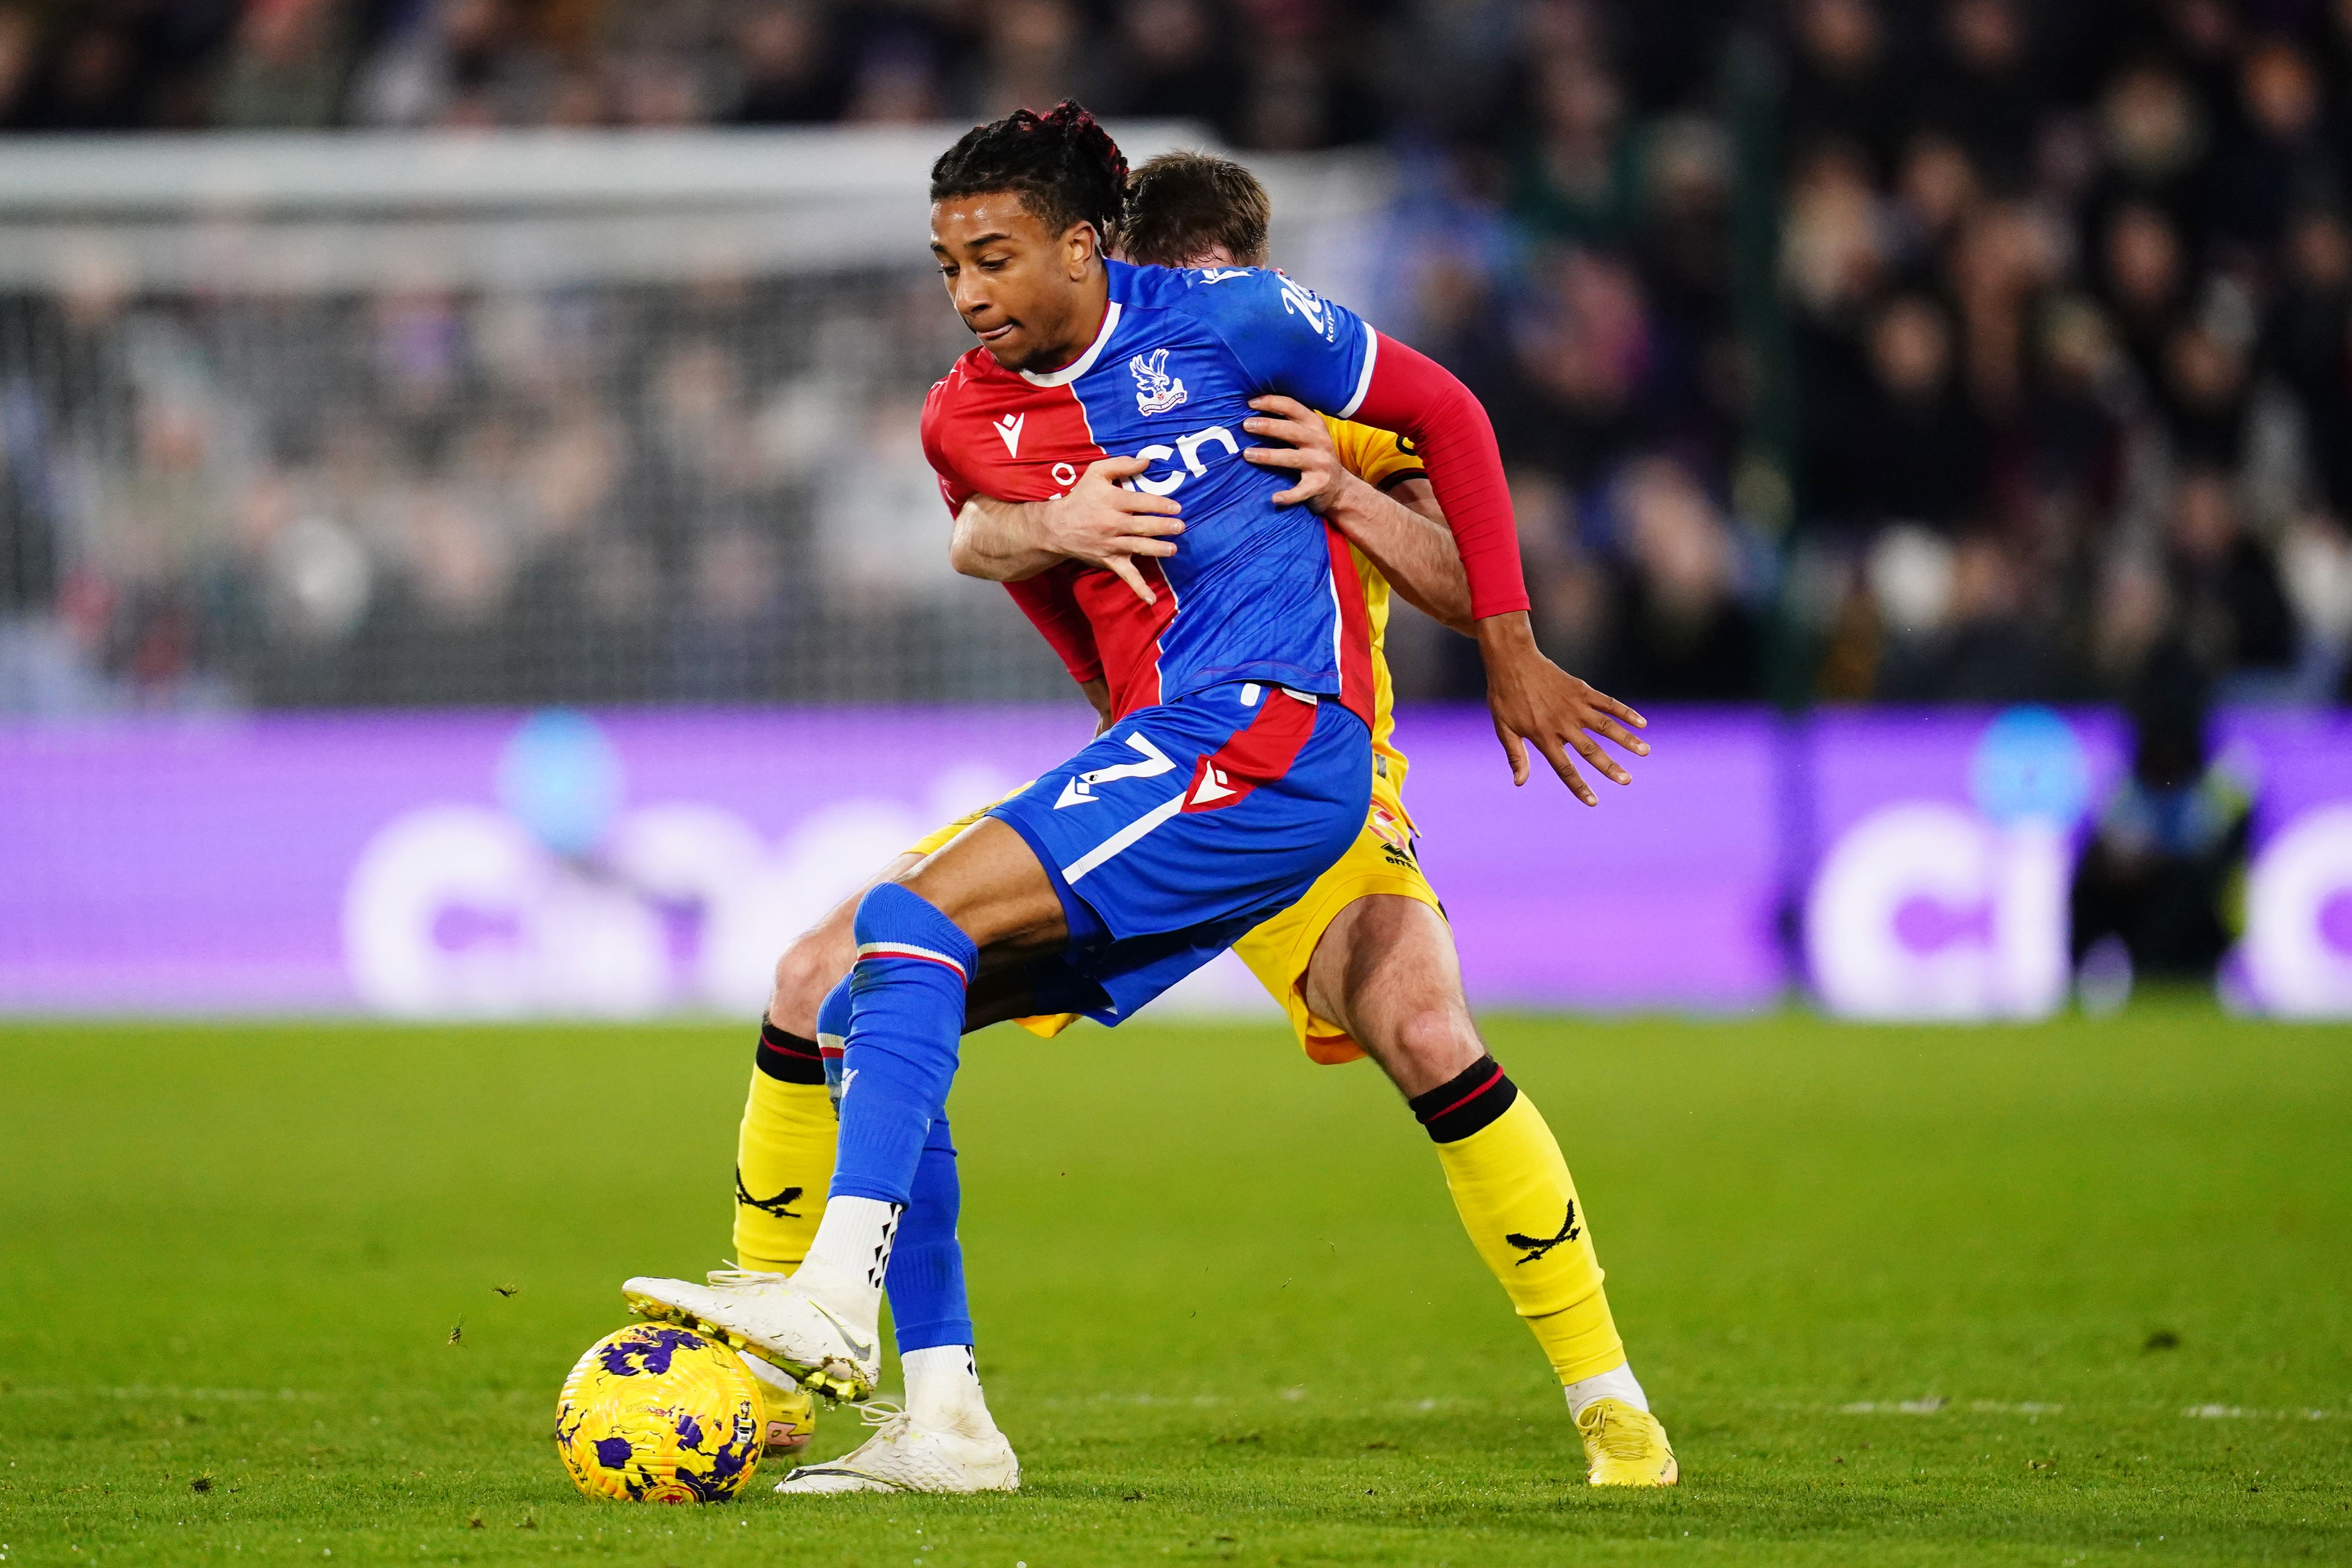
771	1317
905	1457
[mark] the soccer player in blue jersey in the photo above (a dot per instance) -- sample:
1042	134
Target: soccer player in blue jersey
1239	763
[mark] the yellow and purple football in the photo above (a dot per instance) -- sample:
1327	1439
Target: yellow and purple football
659	1414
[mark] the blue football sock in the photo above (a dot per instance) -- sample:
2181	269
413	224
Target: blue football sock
832	1032
925	1281
906	1017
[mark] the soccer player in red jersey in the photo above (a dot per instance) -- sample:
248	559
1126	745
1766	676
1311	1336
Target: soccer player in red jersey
1364	965
995	889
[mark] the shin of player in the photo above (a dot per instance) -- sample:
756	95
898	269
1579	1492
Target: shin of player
945	1438
907	1007
784	1154
1511	1186
784	1161
923	1277
1381	979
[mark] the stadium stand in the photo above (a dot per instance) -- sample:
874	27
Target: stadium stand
1843	351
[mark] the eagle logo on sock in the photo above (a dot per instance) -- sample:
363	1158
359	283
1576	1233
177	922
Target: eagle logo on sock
779	1205
1537	1246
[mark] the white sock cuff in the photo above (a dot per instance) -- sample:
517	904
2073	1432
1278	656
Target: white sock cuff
1617	1383
854	1237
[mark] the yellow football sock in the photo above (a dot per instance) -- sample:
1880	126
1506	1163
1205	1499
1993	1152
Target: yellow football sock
783	1164
1512	1188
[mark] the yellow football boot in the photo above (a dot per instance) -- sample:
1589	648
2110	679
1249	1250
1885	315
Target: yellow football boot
1624	1446
790	1410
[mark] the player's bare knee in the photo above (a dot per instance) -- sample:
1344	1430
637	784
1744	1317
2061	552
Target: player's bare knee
812	966
1428	1045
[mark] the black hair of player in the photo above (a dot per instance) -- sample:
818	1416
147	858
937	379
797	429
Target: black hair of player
1179	203
1064	167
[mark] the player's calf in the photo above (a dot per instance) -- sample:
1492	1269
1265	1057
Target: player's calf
1512	1189
784	1153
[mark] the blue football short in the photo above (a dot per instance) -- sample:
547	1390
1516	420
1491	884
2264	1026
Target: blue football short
1180	828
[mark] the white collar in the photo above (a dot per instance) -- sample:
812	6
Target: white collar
1085	361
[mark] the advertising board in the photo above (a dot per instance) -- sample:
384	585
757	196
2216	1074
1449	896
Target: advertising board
1901	865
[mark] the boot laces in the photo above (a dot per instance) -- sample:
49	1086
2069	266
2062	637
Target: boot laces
1618	1434
731	1275
891	1425
882	1413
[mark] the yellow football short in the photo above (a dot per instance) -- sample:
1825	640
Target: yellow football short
1277	951
933	842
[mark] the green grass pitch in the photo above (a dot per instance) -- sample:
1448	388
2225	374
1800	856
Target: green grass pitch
1902	1296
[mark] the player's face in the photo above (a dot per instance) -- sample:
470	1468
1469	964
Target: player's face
1022	289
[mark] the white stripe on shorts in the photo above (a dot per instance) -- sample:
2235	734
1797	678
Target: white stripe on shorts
1117	843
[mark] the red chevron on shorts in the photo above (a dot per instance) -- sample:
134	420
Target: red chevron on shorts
1260	753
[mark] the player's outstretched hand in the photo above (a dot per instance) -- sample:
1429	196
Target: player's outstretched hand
1533	700
1103	523
1308	451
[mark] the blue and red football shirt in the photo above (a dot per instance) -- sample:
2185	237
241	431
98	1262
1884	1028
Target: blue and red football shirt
1255	591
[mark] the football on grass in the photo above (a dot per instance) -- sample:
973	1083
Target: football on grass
656	1413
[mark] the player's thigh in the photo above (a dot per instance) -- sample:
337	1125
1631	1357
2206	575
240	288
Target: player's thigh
818	957
1385	969
991	885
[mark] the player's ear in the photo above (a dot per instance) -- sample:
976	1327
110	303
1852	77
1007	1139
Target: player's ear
1082	247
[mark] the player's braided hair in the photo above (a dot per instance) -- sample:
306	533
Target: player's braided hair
1063	164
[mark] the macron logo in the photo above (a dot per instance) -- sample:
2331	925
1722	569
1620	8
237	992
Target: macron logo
1215	785
1010	428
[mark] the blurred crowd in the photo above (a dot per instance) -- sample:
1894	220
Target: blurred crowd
2071	295
1841	350
1268	74
713	492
